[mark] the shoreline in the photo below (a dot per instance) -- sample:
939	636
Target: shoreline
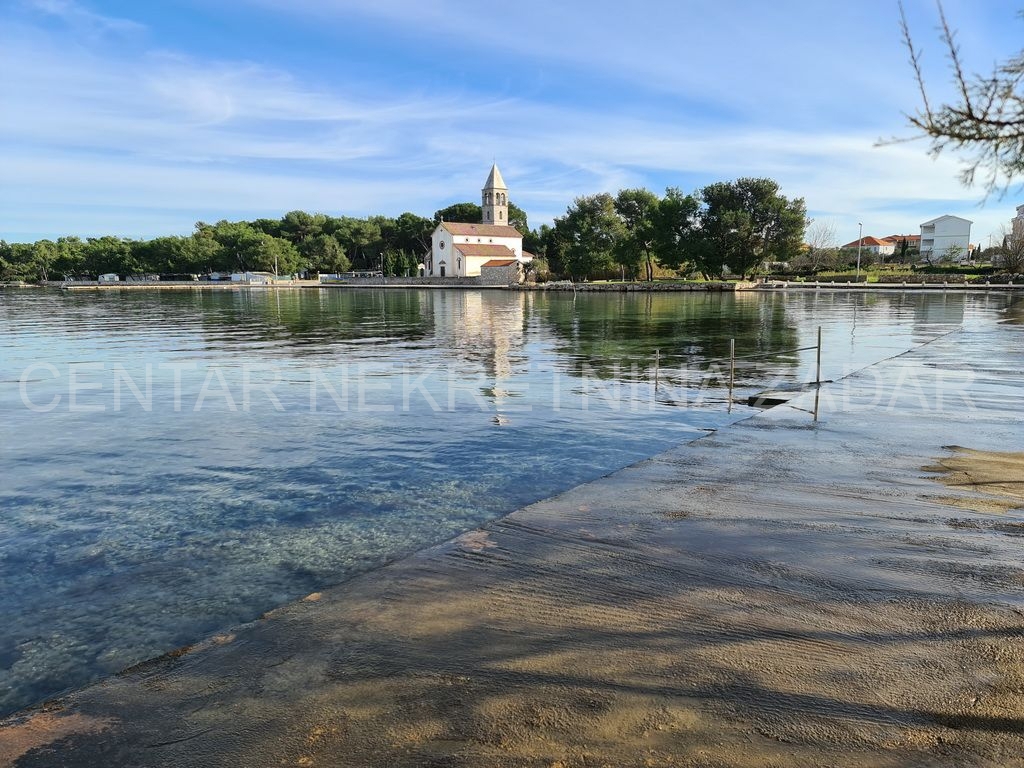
398	283
777	591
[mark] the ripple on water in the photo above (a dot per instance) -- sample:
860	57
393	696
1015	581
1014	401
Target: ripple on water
131	531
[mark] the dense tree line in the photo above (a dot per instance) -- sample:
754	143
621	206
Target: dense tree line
732	226
724	227
297	242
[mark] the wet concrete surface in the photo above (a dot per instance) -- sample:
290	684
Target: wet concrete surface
783	592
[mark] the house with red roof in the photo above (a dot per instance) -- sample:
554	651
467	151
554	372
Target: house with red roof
873	245
463	250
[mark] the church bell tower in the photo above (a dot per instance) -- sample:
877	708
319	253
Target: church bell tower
495	198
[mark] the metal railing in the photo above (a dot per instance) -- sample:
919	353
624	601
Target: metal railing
733	357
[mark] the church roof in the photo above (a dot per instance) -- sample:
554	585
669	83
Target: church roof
485	250
498	263
494	180
481	230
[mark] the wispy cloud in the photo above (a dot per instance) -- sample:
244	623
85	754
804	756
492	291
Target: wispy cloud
76	15
159	137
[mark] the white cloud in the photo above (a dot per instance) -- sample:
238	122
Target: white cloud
102	130
81	18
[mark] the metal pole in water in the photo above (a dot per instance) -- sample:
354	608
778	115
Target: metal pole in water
817	377
657	366
732	369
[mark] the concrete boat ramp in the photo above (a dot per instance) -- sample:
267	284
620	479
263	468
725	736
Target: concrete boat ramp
780	593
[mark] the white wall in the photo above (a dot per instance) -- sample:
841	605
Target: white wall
443	245
441	250
945	233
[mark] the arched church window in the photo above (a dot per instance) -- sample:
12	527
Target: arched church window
459	262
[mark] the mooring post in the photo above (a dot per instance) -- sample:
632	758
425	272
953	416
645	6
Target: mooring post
657	366
732	369
817	377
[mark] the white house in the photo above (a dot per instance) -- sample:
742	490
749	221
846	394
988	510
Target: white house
946	237
460	250
872	245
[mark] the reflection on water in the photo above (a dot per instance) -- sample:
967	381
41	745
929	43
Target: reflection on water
276	442
1015	312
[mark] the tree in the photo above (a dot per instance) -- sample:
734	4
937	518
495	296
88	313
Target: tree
297	226
44	254
162	254
953	253
534	240
70	256
325	254
203	253
746	222
986	121
517	218
587	235
466	213
472	213
904	248
409	233
822	245
246	248
361	239
677	229
102	255
1011	253
273	254
638	209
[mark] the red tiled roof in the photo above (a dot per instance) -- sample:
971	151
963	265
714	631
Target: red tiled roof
866	241
498	263
481	230
485	250
895	239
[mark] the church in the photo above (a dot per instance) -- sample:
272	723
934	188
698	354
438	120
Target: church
469	250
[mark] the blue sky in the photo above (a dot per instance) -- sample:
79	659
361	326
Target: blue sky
140	119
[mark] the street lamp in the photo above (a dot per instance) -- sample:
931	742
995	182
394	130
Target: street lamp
860	242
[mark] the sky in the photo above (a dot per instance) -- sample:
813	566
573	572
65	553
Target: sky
140	119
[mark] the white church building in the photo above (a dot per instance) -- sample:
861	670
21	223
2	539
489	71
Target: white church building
462	250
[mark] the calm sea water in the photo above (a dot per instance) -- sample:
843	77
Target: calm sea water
173	463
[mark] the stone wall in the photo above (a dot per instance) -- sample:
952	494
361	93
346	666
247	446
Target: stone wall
631	287
446	282
509	275
1003	279
927	279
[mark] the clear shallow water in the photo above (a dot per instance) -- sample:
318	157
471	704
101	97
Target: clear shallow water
395	419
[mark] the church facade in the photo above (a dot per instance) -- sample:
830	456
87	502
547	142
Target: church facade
464	250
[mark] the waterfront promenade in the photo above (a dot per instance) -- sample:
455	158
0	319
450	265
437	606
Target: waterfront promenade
781	592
